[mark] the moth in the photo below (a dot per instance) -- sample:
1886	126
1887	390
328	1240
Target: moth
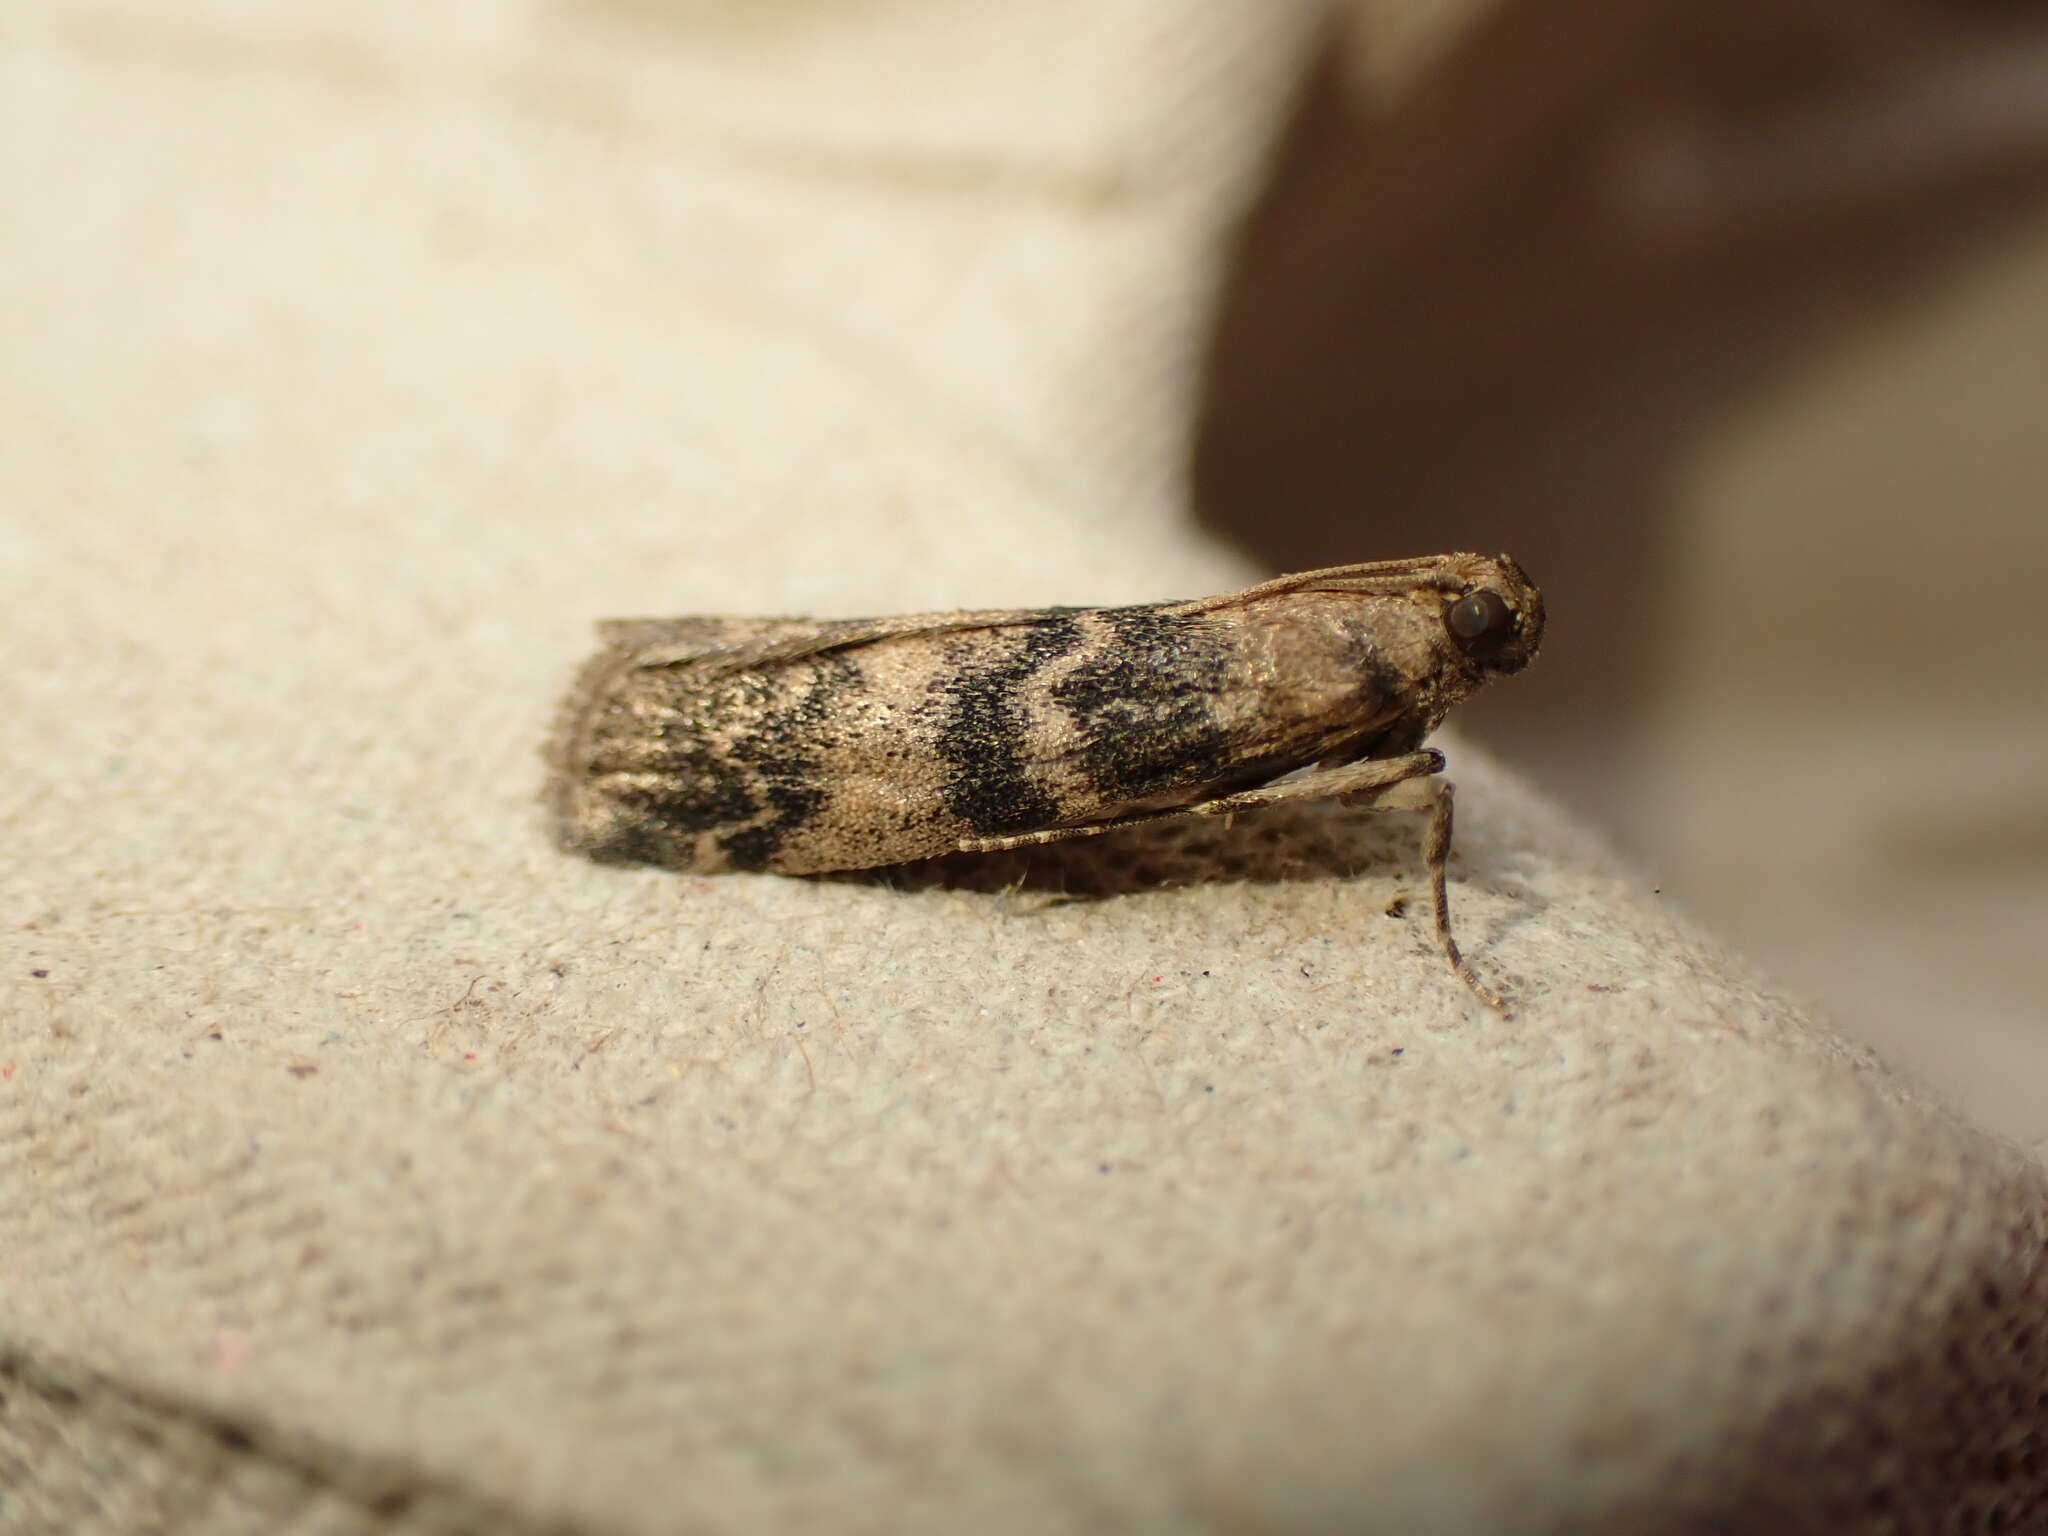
799	746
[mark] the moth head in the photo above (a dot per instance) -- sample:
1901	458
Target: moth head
1493	613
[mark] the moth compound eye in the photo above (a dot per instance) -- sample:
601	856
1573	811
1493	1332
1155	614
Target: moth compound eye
1480	621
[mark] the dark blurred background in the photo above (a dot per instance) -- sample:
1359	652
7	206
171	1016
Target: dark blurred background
1732	325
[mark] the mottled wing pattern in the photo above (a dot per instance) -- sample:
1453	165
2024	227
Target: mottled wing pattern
757	743
798	746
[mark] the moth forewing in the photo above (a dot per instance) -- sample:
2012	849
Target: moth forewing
799	746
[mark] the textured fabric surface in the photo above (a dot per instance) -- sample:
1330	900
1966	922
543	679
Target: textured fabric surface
366	1165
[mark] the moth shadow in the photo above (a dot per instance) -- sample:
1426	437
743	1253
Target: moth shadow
1274	845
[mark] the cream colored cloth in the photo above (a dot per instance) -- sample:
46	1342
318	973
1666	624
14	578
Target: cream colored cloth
367	1165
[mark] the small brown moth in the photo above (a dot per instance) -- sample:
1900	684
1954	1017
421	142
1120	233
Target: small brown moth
804	745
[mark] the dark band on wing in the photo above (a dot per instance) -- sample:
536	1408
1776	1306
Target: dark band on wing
784	751
1144	707
983	730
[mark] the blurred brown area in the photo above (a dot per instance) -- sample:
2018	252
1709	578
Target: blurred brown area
1732	325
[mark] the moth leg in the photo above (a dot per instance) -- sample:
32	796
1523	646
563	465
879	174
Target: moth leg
1411	784
1435	796
1405	783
